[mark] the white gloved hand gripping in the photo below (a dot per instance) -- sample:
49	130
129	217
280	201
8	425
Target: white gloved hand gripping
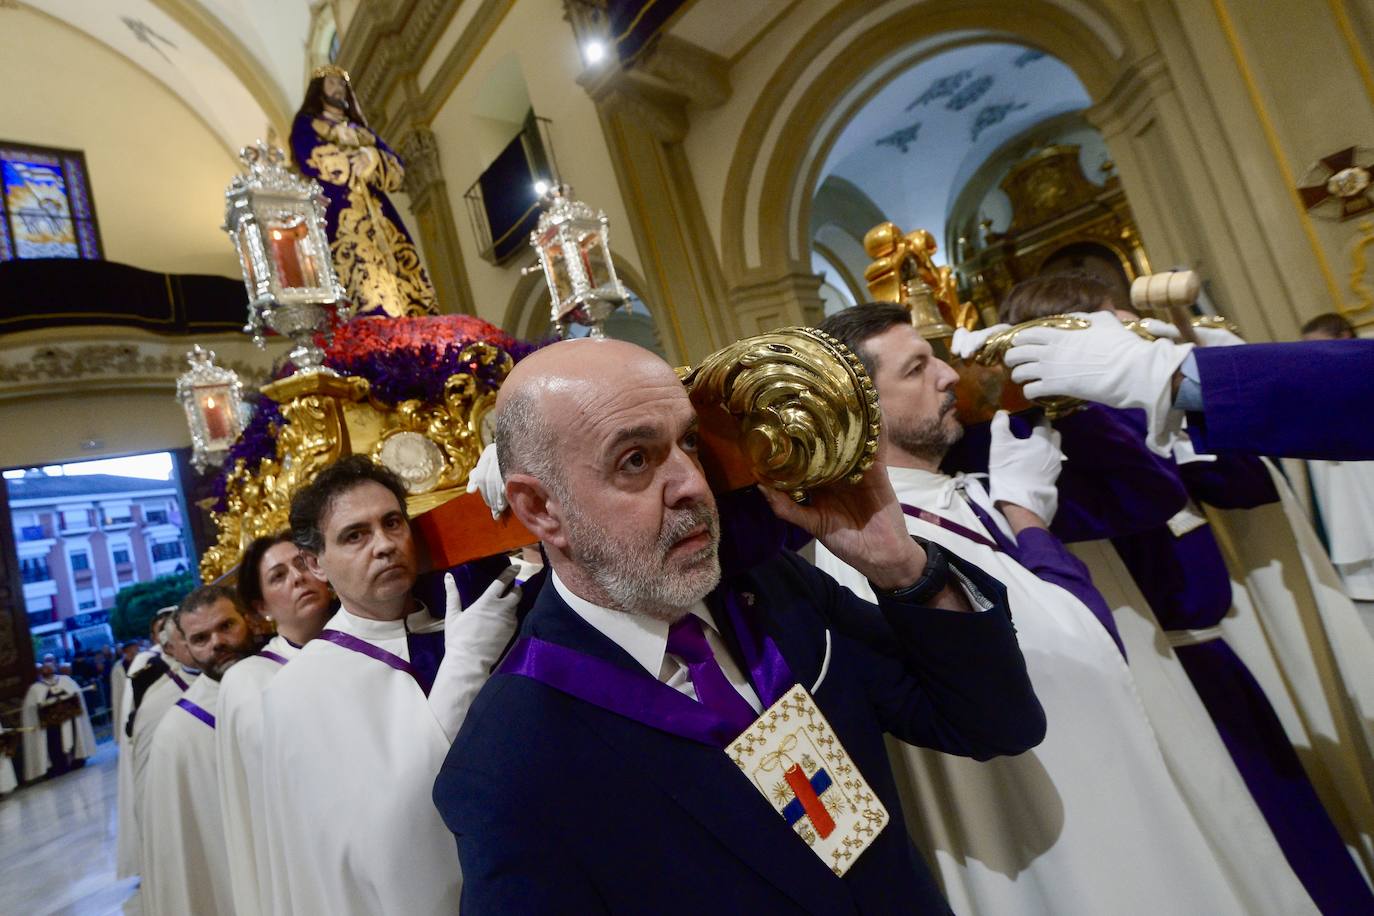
966	343
1105	363
473	642
1025	472
486	479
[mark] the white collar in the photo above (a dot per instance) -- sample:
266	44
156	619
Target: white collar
417	621
645	639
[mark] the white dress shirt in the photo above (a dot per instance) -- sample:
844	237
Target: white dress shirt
645	639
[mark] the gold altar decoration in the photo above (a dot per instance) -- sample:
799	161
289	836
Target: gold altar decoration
904	271
431	447
1057	214
796	403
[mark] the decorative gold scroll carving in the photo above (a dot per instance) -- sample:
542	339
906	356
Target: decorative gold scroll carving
329	417
798	404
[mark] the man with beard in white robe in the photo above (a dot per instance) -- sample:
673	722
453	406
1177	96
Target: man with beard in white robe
274	584
62	748
1091	821
356	727
186	867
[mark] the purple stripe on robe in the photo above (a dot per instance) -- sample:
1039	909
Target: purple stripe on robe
1274	775
199	712
1187	584
268	653
391	659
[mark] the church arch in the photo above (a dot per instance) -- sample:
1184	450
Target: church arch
807	103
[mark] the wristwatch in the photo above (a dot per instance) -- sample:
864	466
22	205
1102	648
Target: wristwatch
933	579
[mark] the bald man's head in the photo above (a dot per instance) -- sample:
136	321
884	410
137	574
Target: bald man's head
558	381
597	444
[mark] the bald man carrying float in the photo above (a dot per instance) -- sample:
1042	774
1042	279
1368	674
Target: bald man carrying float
590	775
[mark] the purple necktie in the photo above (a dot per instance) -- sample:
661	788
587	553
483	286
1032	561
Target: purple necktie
687	641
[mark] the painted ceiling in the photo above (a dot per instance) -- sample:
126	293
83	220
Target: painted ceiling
920	138
245	70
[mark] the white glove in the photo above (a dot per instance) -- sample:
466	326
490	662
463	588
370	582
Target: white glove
1158	328
966	343
1217	337
1206	337
486	479
1024	472
1104	363
473	641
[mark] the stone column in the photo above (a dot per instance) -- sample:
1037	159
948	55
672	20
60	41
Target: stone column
429	202
643	113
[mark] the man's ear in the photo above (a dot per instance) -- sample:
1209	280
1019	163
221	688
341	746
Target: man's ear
536	508
312	565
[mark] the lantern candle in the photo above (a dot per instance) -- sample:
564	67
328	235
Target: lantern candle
216	423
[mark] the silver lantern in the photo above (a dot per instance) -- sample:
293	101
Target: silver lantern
575	252
212	397
276	220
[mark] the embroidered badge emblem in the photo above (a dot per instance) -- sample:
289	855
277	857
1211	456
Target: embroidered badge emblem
795	760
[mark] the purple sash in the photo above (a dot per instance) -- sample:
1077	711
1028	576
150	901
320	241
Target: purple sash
638	696
198	711
950	525
176	679
268	653
362	647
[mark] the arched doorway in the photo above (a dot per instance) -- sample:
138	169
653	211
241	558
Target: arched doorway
1163	159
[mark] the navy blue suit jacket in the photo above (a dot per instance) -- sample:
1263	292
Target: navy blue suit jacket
559	806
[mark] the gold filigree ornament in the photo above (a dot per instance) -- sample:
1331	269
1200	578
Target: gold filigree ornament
996	346
796	402
432	447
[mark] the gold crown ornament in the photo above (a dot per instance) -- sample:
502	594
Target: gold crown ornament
329	70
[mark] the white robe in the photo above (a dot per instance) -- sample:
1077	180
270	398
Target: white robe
8	783
1299	633
1344	493
1090	821
185	865
126	830
77	737
239	738
350	754
159	698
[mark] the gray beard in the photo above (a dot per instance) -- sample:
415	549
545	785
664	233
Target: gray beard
634	575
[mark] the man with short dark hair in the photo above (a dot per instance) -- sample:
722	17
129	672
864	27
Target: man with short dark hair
592	774
274	585
356	726
1121	824
185	861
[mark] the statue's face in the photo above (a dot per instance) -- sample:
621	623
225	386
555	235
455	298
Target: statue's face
336	91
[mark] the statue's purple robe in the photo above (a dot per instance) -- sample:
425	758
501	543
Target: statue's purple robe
1188	586
1298	400
374	256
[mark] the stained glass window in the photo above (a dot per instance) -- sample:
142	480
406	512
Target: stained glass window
45	204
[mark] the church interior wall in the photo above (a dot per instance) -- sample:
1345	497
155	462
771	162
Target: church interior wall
531	54
157	172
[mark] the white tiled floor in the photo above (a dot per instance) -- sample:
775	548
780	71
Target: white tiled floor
57	845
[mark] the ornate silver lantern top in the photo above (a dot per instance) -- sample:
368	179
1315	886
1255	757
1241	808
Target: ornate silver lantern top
212	397
276	220
573	244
